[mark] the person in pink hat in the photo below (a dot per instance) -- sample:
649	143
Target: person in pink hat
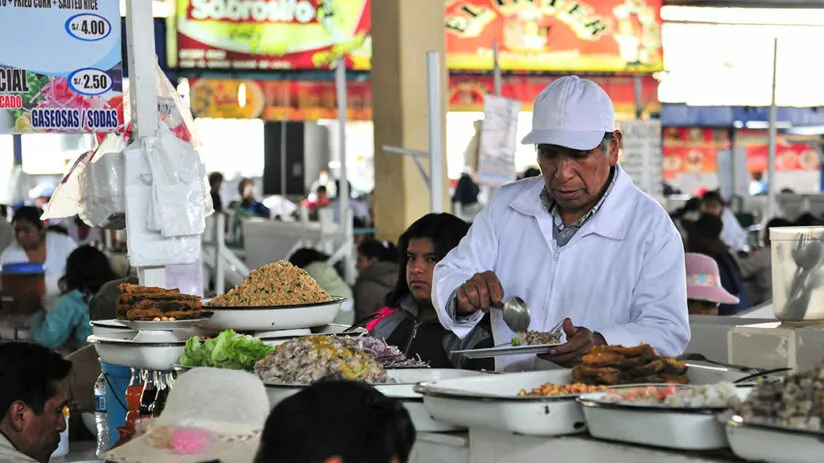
704	290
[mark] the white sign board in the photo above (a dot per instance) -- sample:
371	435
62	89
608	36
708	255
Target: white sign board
496	159
641	156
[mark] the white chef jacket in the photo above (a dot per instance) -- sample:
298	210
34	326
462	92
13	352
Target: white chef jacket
622	274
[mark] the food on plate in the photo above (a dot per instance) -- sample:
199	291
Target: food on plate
615	365
389	356
277	284
550	389
532	338
795	402
144	303
228	350
721	395
312	358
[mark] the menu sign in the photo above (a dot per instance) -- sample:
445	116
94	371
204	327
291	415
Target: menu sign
273	34
555	35
496	153
641	155
67	77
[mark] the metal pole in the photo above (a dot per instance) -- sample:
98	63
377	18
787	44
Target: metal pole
433	96
283	157
639	97
772	136
17	141
496	67
343	194
143	88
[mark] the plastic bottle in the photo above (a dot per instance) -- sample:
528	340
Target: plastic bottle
148	396
163	386
63	446
133	393
101	417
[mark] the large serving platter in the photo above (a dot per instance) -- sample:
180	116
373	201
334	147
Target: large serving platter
773	444
402	389
492	402
680	428
287	317
148	350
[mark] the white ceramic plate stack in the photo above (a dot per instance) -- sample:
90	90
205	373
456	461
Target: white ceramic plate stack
149	350
492	402
287	317
402	388
759	442
681	428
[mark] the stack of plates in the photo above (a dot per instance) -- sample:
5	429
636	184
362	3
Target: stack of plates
273	318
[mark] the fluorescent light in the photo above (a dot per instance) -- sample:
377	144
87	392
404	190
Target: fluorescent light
241	95
756	125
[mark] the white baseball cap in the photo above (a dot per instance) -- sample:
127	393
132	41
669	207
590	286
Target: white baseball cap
571	112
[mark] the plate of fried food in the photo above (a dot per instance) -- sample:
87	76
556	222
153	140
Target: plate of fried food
524	342
618	365
277	296
148	308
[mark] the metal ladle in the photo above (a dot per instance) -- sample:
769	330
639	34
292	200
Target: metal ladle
516	313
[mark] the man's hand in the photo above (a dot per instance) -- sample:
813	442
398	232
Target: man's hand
579	341
480	292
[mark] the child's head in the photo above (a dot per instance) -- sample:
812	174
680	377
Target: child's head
337	422
704	290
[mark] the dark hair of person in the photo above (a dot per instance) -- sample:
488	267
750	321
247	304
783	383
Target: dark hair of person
30	214
808	220
29	373
693	204
305	256
773	223
445	231
532	172
383	251
4	211
704	235
215	177
347	419
320	189
712	196
87	269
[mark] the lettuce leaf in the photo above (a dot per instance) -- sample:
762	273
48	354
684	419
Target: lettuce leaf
228	350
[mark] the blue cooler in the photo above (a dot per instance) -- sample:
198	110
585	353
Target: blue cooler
117	381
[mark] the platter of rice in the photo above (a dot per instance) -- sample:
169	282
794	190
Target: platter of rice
277	296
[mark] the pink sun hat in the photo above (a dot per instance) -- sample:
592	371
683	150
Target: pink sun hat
704	281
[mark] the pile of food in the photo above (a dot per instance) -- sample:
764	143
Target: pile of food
387	355
796	402
550	390
721	395
228	350
532	338
614	365
143	303
309	359
277	284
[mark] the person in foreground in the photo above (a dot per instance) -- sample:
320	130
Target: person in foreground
211	415
704	290
32	397
409	320
580	244
337	422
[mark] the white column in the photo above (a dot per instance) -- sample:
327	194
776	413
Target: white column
143	89
343	194
772	207
433	96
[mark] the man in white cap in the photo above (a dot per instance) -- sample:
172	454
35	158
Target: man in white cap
581	244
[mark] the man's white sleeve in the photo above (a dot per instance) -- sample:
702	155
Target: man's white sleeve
659	314
476	253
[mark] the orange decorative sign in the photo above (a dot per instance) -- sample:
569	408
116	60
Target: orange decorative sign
555	35
273	34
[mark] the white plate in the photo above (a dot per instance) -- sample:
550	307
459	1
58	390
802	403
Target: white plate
110	327
756	442
279	334
149	325
158	356
272	318
401	390
681	428
504	350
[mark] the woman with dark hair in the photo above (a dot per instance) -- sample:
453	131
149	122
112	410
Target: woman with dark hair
409	320
704	237
377	272
34	243
67	324
316	264
248	203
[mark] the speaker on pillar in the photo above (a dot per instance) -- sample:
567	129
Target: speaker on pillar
290	161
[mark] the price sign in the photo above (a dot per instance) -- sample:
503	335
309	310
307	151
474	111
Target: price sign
90	82
88	27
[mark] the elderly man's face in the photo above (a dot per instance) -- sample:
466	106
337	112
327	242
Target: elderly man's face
574	178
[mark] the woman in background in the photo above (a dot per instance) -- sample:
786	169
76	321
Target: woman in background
409	320
316	264
66	326
377	272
